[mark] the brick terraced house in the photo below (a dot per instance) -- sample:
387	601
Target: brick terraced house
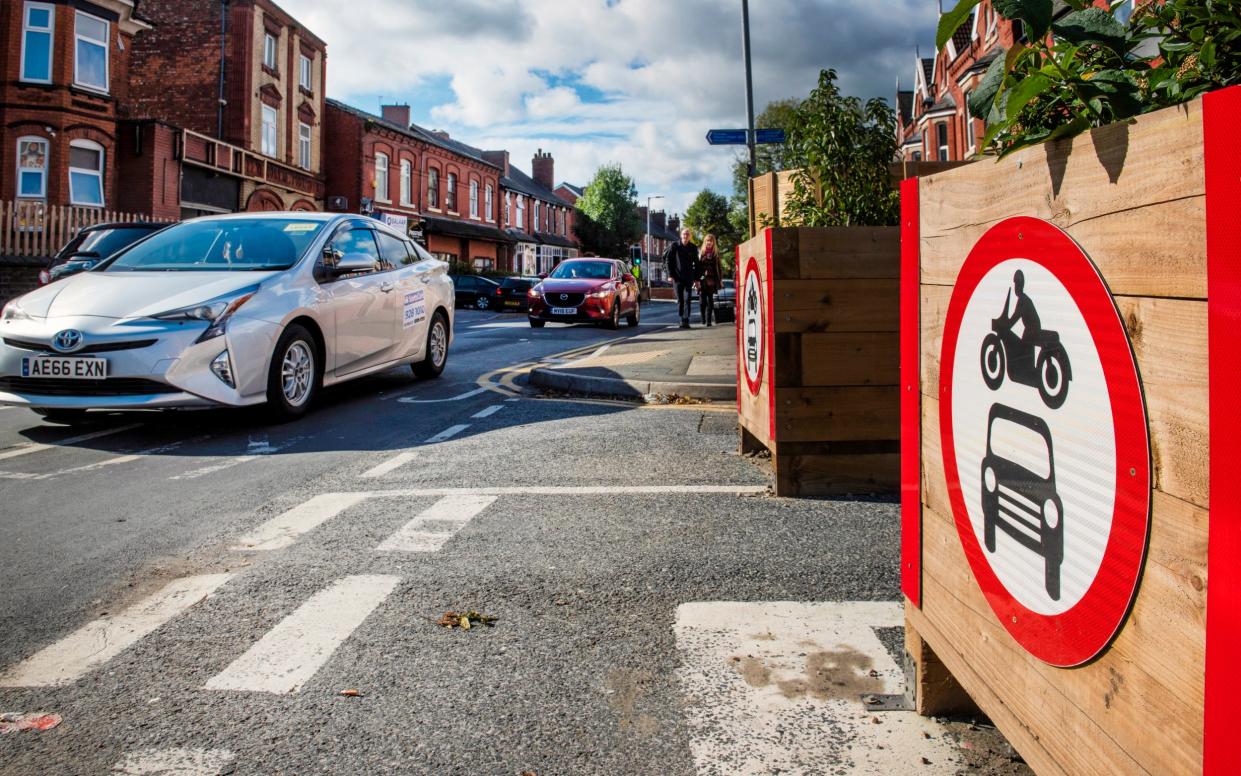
66	74
538	219
442	193
226	107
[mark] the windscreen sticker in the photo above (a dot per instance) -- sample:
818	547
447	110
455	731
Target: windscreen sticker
301	226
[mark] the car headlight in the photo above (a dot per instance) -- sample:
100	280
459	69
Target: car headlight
215	311
14	312
1051	513
534	293
602	293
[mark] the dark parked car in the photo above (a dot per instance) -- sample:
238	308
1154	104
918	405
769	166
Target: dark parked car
92	245
726	301
475	291
511	295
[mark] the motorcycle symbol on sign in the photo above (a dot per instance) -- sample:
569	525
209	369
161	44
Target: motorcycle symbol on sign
1032	356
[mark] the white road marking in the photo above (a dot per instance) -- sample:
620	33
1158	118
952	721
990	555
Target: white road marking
449	515
97	642
282	531
27	449
493	409
257	449
585	490
515	398
175	762
390	465
775	687
502	325
447	434
293	651
461	397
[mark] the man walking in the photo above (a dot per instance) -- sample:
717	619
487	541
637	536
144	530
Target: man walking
682	261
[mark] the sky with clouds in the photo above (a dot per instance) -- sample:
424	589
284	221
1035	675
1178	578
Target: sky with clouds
633	81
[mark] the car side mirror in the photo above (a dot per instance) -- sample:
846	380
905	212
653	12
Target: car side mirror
542	276
79	255
352	264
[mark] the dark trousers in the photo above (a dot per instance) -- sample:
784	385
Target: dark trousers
707	305
684	306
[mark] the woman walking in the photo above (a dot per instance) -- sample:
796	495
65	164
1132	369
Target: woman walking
709	278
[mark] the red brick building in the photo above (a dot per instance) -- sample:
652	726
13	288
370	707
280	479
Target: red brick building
535	216
441	192
66	71
225	109
934	123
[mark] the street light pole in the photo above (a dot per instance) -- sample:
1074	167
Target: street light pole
749	85
648	241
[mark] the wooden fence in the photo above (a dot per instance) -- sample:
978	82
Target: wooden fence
36	229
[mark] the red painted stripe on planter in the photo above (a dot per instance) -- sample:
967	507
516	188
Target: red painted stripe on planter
1221	754
738	280
911	401
770	312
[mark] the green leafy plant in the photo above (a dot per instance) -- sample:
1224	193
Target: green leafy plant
709	214
607	222
1086	69
842	148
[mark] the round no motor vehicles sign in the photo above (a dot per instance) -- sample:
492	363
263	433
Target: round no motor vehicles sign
1045	444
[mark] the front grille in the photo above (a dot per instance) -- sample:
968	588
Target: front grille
1019	511
103	347
565	300
111	386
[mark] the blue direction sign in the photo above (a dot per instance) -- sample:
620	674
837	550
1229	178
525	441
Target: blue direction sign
765	136
726	137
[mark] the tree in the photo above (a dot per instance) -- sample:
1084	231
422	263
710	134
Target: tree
710	214
608	222
769	157
841	148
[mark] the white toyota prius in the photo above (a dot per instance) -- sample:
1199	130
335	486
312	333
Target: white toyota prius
232	311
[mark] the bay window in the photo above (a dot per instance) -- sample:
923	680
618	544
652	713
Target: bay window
90	61
31	167
38	24
941	135
86	173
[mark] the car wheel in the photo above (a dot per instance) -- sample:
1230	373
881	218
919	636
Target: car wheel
635	316
613	321
67	417
432	365
482	302
294	376
535	323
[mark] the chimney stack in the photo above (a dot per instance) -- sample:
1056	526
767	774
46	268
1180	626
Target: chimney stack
397	114
544	169
499	159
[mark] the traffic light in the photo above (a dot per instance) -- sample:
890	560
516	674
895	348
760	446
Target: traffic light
635	256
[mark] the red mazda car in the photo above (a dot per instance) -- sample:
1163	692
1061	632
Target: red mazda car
586	291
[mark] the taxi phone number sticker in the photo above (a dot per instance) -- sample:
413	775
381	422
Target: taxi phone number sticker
415	308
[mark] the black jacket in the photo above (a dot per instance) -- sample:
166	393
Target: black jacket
682	259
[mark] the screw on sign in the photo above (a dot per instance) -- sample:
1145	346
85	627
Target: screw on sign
1046	451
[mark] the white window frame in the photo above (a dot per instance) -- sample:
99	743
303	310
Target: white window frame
107	53
382	193
521	212
943	152
407	183
271	46
306	76
50	31
534	223
272	149
103	164
433	190
490	203
474	199
508	208
47	150
450	194
304	140
970	131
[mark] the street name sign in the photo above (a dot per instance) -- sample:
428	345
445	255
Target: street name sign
726	137
1045	442
769	136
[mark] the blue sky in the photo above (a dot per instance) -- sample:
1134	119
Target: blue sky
591	81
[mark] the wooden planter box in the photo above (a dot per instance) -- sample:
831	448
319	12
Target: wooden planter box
826	399
1156	206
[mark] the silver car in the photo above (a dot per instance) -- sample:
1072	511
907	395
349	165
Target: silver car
231	311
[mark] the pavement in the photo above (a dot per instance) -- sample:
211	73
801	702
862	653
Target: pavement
202	594
659	365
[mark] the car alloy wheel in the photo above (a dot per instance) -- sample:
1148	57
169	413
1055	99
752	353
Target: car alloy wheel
297	372
482	303
438	343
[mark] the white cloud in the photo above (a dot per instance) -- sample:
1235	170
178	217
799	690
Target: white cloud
669	71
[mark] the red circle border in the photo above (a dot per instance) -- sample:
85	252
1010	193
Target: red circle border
756	384
1080	634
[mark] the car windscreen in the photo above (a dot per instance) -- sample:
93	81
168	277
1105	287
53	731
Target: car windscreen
221	245
1022	445
106	242
516	283
583	270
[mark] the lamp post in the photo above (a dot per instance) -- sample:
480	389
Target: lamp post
648	241
749	87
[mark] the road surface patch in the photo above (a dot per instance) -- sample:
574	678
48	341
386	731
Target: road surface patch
37	447
291	653
432	529
99	641
175	762
775	687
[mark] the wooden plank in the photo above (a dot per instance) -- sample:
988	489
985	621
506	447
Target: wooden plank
838	414
936	690
1126	192
854	252
866	358
835	475
837	305
1096	718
